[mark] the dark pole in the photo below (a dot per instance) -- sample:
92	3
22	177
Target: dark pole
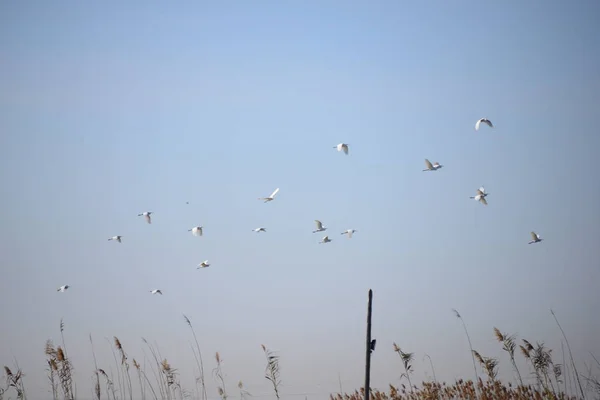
368	361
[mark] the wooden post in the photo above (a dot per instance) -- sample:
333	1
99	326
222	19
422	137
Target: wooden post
368	348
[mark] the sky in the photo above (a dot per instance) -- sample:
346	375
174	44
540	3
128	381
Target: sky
109	109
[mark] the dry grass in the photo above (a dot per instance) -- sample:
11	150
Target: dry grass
552	379
272	369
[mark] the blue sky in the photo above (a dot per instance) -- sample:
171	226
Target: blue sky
111	109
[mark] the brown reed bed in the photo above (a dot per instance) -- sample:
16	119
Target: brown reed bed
160	380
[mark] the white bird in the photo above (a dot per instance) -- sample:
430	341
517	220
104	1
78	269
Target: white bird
481	195
259	230
271	197
432	167
536	238
117	238
349	232
485	121
146	215
325	240
156	291
203	264
342	147
196	231
62	288
320	227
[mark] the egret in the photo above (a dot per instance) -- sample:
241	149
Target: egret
320	227
146	215
156	291
481	195
62	288
342	147
325	240
196	231
536	238
117	238
203	264
259	230
432	167
271	197
485	121
349	232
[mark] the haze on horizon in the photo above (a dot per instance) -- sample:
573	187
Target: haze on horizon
111	109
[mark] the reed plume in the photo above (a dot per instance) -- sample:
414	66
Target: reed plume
218	376
243	391
457	314
124	366
407	359
198	357
15	381
50	352
272	371
509	345
66	368
489	365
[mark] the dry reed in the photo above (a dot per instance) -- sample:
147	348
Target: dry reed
272	369
218	376
243	391
407	359
549	377
198	358
457	314
14	381
570	354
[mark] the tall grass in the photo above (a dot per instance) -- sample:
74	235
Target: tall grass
457	314
198	358
272	369
164	382
570	354
218	376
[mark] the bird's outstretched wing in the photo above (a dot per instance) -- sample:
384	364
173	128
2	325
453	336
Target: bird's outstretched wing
533	235
274	193
483	200
477	124
318	224
428	164
148	218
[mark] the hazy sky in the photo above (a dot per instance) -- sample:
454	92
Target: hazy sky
110	109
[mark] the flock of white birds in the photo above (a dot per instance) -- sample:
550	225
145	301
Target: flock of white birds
342	147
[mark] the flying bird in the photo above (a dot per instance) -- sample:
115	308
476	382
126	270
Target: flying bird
196	231
320	227
156	291
259	230
203	264
117	238
535	238
349	232
325	240
146	215
271	197
481	195
62	288
432	167
485	121
342	147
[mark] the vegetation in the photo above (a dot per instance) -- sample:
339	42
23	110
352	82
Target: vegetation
553	380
